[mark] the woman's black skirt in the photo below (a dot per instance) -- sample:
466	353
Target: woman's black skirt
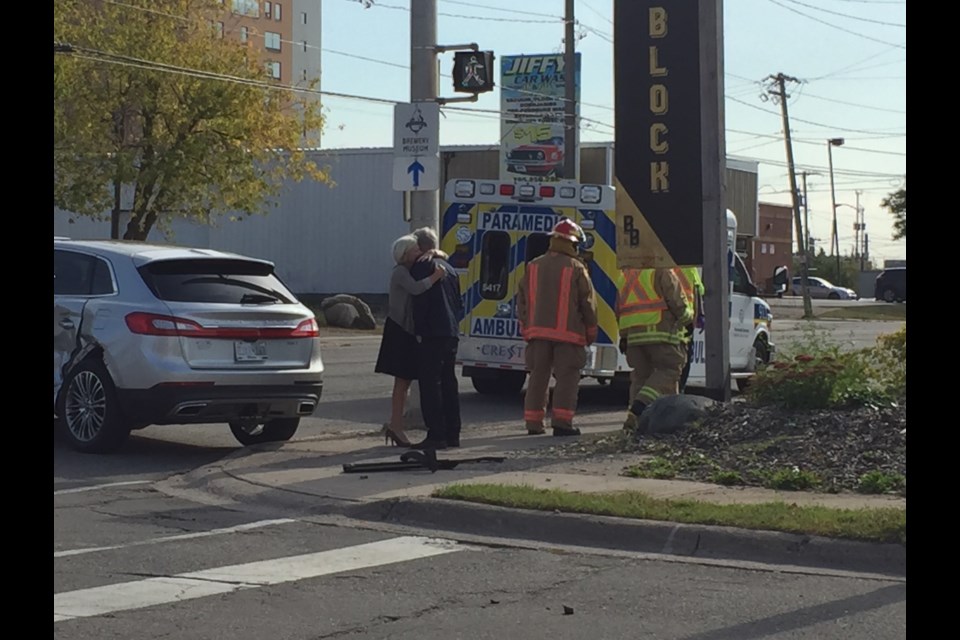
398	352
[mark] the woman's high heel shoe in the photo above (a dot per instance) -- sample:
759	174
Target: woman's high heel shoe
398	441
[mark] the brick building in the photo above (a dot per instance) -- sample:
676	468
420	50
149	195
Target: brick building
772	247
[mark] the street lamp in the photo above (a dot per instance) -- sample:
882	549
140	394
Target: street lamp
835	244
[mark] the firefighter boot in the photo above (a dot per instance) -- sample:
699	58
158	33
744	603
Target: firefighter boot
565	429
535	428
632	423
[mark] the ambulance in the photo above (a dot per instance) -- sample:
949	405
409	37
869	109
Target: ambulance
493	229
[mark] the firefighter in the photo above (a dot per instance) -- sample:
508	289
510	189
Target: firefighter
652	312
693	289
557	312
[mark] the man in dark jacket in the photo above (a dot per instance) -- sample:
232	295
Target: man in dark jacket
436	317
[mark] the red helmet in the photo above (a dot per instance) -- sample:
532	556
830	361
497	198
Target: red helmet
567	228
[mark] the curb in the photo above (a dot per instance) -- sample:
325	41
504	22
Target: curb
645	536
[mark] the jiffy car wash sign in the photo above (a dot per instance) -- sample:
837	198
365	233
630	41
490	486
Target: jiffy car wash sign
532	125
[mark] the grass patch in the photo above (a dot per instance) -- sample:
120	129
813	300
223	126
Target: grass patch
659	468
792	480
880	482
727	478
874	525
868	312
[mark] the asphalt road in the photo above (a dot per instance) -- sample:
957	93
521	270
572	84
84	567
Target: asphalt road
130	562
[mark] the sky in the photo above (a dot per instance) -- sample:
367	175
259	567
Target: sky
849	57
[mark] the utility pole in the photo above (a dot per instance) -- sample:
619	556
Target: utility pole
806	219
424	205
780	93
835	240
861	231
570	95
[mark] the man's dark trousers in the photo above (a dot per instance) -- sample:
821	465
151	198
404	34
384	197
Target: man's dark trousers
439	389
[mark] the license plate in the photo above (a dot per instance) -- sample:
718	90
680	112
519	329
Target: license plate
249	351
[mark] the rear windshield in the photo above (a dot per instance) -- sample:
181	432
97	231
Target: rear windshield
215	280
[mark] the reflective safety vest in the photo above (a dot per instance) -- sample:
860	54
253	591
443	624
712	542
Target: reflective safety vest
691	284
638	304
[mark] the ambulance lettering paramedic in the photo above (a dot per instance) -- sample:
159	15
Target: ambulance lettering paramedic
557	311
652	313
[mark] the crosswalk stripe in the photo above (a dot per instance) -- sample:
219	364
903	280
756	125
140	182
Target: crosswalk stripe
183	536
97	487
150	592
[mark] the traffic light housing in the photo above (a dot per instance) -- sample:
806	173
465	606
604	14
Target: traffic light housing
473	71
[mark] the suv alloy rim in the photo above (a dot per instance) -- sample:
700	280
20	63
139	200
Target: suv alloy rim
85	406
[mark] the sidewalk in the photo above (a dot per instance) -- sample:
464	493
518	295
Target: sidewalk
308	476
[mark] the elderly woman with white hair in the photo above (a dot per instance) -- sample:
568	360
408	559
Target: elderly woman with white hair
398	349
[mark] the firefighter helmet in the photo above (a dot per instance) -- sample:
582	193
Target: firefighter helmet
568	229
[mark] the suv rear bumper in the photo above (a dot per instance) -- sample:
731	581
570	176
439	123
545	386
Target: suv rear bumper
185	404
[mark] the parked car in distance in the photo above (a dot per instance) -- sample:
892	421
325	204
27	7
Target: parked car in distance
891	285
820	288
149	334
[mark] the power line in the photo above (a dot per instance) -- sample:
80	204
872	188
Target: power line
885	50
112	58
833	25
846	15
855	104
517	11
368	4
818	124
602	34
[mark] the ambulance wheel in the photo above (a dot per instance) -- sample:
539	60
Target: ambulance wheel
762	354
505	383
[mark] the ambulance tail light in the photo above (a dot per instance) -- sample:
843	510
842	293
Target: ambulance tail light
527	191
568	192
506	189
487	189
547	192
464	188
590	194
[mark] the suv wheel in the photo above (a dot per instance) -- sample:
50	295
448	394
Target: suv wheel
279	430
889	295
90	418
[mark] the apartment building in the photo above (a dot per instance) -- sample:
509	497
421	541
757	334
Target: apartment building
285	32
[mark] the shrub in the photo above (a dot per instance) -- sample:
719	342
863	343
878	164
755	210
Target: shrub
792	480
819	375
880	482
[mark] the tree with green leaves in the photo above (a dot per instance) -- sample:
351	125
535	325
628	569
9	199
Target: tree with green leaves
896	203
152	102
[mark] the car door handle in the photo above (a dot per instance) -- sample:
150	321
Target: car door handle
66	323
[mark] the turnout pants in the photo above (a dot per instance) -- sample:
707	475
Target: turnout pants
439	390
564	361
685	372
656	370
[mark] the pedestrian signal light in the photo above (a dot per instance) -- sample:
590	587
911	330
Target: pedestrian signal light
473	71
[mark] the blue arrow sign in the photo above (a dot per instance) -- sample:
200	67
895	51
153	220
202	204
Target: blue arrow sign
416	168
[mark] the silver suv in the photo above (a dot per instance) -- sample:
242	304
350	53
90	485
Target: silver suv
149	334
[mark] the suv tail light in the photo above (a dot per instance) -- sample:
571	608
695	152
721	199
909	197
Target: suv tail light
152	324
